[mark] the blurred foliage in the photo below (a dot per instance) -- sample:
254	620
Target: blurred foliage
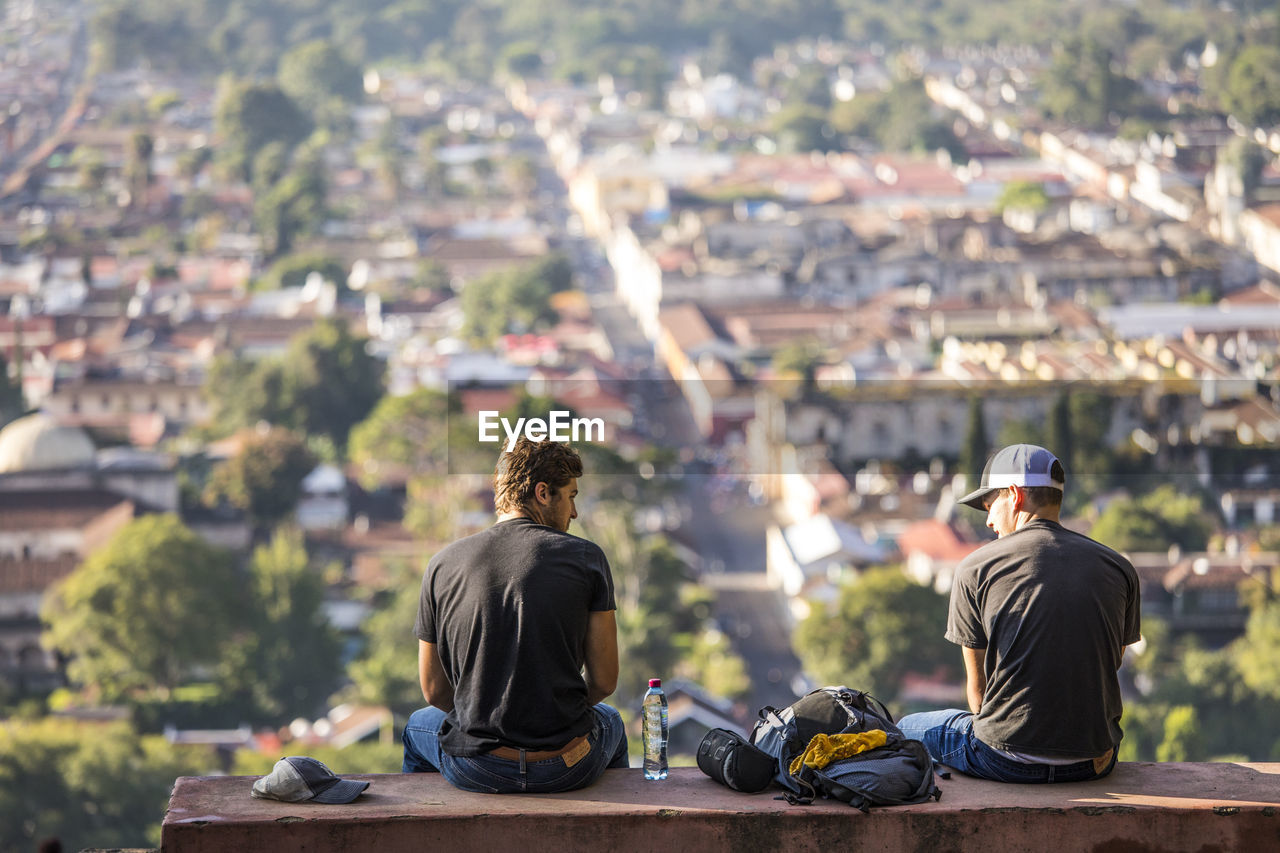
1198	704
170	623
288	662
881	627
315	73
1022	195
367	756
901	119
265	478
385	671
514	300
249	116
292	271
326	383
404	434
1155	521
146	611
87	784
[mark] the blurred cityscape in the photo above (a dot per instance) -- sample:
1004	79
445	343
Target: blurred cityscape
259	281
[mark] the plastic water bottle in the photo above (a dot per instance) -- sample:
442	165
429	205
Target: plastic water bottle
654	712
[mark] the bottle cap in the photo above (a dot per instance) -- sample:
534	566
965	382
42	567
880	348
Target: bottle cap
655	682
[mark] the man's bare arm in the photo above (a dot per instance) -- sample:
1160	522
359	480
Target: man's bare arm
436	687
975	677
601	655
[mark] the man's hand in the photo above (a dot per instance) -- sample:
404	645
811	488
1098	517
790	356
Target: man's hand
436	687
601	655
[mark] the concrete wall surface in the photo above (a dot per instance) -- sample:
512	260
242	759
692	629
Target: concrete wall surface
1139	808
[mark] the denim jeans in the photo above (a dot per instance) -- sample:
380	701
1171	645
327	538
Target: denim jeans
949	737
489	774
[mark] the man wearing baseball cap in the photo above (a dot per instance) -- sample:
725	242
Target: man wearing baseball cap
1043	616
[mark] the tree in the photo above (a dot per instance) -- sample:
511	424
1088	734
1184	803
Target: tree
1253	86
1182	739
12	401
1019	432
293	270
1257	653
91	168
801	127
288	664
1092	458
88	784
146	612
315	73
332	381
976	448
408	432
265	478
326	383
386	669
1081	85
244	393
1061	443
515	300
292	206
249	116
137	169
882	626
1154	522
1022	195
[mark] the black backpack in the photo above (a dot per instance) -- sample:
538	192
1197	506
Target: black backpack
898	773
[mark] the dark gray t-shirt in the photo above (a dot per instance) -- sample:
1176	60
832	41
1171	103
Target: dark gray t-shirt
1054	609
507	609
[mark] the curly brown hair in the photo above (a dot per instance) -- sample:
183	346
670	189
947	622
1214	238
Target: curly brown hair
529	463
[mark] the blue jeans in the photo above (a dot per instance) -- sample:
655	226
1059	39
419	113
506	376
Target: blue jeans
949	737
489	774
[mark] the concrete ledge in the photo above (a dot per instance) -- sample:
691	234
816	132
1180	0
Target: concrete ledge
1139	808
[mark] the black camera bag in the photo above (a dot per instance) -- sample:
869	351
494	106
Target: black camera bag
732	760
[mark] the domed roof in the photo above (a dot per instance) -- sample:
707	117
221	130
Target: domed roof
38	443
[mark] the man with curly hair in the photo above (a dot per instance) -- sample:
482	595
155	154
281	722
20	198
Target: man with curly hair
517	642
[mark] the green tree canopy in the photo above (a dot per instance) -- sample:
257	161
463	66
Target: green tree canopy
315	73
386	670
292	205
249	116
147	611
327	382
1155	521
288	663
1253	86
1022	195
801	127
1082	86
265	478
332	380
977	447
88	784
515	300
882	626
292	270
408	433
245	392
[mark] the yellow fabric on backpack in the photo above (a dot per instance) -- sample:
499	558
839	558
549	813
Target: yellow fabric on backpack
824	749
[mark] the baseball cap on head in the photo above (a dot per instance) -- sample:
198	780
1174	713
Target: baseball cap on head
299	778
1026	465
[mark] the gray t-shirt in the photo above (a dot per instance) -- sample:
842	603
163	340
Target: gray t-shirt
508	609
1054	609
